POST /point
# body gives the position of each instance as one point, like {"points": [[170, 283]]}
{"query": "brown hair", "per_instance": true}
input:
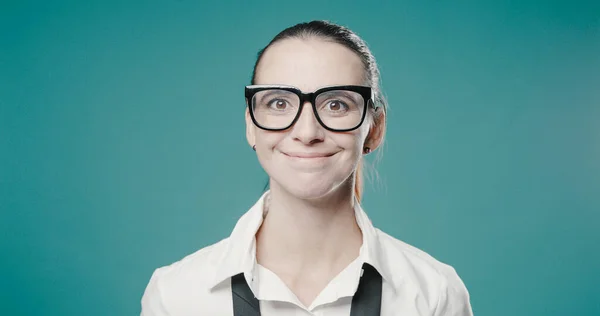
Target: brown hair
{"points": [[344, 36]]}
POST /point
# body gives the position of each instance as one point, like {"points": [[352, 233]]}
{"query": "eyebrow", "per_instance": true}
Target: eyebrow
{"points": [[272, 86], [278, 86], [347, 94], [272, 92]]}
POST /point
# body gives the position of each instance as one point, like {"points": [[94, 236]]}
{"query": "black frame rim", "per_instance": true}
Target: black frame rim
{"points": [[364, 91]]}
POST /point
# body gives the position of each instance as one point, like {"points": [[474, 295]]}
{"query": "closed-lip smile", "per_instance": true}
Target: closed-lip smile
{"points": [[308, 155]]}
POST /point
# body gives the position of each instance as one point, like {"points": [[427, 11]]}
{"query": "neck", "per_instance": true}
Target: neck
{"points": [[319, 233]]}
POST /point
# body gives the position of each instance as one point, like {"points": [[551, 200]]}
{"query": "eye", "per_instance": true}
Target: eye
{"points": [[278, 104], [336, 106]]}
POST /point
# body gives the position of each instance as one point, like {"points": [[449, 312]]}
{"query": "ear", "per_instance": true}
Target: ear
{"points": [[377, 130], [250, 131]]}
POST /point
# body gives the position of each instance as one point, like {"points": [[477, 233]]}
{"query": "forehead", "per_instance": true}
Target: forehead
{"points": [[310, 64]]}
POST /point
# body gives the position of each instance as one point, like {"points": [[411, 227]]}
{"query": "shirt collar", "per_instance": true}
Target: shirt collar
{"points": [[372, 251], [240, 252]]}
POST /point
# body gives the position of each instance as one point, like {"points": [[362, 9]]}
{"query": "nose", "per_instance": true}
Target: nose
{"points": [[307, 129]]}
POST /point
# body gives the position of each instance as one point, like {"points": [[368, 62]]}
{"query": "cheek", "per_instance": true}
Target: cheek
{"points": [[265, 143], [358, 139], [268, 140], [351, 146]]}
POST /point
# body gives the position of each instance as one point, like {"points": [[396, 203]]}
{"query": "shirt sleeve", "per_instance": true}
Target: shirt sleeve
{"points": [[454, 297], [152, 301]]}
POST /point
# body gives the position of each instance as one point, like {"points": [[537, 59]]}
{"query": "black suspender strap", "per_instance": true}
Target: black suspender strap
{"points": [[365, 302], [244, 302], [367, 299]]}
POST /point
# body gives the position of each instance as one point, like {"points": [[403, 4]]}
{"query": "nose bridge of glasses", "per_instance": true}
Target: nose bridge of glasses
{"points": [[306, 98], [307, 125], [307, 108]]}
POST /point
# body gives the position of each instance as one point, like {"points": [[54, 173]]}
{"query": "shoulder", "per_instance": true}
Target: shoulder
{"points": [[181, 285], [420, 262], [437, 281], [197, 265]]}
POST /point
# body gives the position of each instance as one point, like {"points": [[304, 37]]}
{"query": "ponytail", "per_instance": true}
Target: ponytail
{"points": [[358, 180]]}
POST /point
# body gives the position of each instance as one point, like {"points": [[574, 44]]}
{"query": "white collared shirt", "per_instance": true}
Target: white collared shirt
{"points": [[414, 283]]}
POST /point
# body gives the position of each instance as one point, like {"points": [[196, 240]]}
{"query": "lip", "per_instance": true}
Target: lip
{"points": [[308, 155]]}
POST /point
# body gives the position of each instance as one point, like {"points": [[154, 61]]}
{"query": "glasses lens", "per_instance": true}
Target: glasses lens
{"points": [[275, 108], [340, 109], [337, 109]]}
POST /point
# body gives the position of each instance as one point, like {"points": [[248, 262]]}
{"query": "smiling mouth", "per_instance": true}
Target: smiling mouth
{"points": [[308, 155]]}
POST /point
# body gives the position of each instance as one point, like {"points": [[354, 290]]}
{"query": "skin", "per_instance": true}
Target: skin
{"points": [[310, 233]]}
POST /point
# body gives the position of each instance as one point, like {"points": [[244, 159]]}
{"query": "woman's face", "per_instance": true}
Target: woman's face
{"points": [[310, 64]]}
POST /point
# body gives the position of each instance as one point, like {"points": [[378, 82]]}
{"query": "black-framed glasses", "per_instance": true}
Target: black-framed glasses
{"points": [[337, 108]]}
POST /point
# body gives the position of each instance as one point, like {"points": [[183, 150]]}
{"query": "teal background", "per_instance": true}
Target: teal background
{"points": [[122, 145]]}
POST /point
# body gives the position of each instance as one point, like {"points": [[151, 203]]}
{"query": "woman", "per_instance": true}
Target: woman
{"points": [[307, 247]]}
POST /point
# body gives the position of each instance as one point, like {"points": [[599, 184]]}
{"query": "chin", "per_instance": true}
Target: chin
{"points": [[308, 186], [309, 180], [307, 192]]}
